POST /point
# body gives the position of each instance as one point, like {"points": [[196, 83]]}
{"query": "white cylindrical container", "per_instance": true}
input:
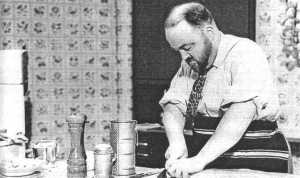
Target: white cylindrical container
{"points": [[103, 156], [12, 117], [12, 107], [11, 66], [12, 110]]}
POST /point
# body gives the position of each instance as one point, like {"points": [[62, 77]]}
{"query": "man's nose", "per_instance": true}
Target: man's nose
{"points": [[184, 55]]}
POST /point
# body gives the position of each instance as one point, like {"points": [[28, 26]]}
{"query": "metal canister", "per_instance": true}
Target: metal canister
{"points": [[103, 156], [123, 140]]}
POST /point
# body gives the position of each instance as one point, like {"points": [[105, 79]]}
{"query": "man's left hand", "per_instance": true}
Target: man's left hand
{"points": [[181, 168]]}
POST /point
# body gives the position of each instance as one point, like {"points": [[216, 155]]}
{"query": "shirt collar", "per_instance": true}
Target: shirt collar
{"points": [[226, 44]]}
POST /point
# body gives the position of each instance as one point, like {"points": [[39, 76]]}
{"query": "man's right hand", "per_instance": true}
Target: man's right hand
{"points": [[176, 152]]}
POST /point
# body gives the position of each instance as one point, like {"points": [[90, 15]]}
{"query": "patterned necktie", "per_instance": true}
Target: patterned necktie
{"points": [[195, 96]]}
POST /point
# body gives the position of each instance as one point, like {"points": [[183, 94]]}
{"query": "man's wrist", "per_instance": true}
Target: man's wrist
{"points": [[177, 143], [201, 159]]}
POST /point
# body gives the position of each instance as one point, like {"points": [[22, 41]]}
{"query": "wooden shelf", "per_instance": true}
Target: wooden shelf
{"points": [[292, 134], [294, 140]]}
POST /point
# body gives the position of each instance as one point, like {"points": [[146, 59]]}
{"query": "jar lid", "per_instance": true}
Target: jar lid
{"points": [[45, 144], [76, 118], [103, 148], [123, 121]]}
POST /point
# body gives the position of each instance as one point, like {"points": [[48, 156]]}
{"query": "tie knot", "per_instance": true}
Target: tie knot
{"points": [[202, 77]]}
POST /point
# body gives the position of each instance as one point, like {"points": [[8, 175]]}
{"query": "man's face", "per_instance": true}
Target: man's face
{"points": [[192, 43]]}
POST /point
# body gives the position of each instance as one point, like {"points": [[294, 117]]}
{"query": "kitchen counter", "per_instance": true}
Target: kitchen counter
{"points": [[238, 173], [59, 170], [245, 173]]}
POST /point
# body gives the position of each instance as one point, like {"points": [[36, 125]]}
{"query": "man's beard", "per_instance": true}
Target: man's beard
{"points": [[200, 64]]}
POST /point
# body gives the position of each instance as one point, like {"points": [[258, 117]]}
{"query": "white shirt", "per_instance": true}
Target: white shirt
{"points": [[240, 73]]}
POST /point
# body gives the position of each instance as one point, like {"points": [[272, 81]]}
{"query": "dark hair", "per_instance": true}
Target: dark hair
{"points": [[193, 12]]}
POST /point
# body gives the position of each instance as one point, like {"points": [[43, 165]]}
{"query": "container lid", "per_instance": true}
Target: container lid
{"points": [[76, 118], [45, 144], [103, 148], [123, 121]]}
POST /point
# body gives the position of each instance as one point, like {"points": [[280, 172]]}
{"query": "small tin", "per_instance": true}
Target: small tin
{"points": [[103, 156]]}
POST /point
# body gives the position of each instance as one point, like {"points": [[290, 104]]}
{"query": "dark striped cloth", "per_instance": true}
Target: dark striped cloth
{"points": [[262, 147]]}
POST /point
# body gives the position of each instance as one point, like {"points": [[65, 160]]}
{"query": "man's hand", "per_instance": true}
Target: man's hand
{"points": [[176, 152], [182, 168]]}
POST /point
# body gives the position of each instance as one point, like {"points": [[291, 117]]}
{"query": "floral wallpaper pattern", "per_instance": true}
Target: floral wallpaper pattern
{"points": [[278, 33], [79, 61]]}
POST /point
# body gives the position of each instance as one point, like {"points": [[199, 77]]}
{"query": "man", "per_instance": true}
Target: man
{"points": [[225, 86]]}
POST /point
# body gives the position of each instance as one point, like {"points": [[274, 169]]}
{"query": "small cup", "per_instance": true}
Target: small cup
{"points": [[46, 150]]}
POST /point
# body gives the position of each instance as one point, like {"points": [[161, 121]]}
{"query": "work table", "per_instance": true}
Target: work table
{"points": [[60, 170]]}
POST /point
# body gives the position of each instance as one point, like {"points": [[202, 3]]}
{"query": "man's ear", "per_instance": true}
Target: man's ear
{"points": [[209, 30]]}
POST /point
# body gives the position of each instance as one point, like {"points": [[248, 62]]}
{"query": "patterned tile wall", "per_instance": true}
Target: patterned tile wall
{"points": [[277, 31], [79, 61]]}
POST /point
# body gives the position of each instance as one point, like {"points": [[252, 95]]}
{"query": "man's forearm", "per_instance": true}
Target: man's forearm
{"points": [[174, 121], [229, 131]]}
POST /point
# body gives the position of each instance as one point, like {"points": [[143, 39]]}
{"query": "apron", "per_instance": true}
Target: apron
{"points": [[262, 147]]}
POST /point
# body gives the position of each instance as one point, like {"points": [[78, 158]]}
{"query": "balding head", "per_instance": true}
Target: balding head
{"points": [[194, 13]]}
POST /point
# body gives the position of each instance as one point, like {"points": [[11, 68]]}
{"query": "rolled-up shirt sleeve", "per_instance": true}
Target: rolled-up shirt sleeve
{"points": [[251, 80], [179, 90]]}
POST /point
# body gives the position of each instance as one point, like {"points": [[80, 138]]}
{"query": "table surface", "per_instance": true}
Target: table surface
{"points": [[58, 170]]}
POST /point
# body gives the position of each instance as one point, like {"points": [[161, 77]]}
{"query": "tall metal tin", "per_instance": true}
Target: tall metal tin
{"points": [[123, 140]]}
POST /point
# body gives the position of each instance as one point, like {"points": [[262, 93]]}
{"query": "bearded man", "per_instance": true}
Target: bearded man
{"points": [[224, 86]]}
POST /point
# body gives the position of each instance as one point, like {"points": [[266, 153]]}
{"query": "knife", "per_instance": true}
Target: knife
{"points": [[164, 174]]}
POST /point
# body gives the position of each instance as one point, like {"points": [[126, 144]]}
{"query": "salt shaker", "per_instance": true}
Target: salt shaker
{"points": [[103, 156]]}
